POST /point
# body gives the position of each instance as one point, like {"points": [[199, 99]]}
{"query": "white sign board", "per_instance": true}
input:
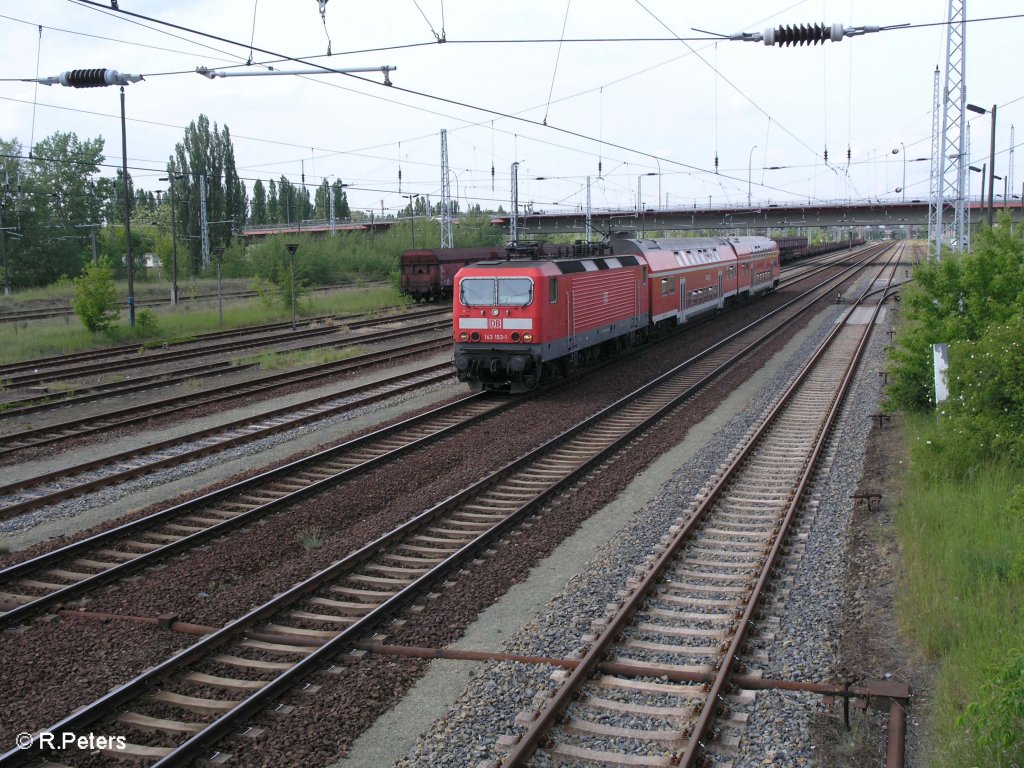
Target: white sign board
{"points": [[940, 359]]}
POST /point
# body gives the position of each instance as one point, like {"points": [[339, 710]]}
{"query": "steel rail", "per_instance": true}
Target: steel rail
{"points": [[161, 380], [557, 704], [13, 442], [729, 658], [40, 314], [194, 746], [199, 338], [161, 357], [273, 421], [73, 590], [431, 426], [216, 730]]}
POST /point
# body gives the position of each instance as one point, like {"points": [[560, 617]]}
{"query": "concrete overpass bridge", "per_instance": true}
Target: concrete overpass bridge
{"points": [[889, 215]]}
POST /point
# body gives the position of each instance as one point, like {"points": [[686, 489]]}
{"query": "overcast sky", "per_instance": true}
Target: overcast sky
{"points": [[610, 108]]}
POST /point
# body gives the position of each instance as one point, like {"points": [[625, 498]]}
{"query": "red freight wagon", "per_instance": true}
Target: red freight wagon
{"points": [[427, 274]]}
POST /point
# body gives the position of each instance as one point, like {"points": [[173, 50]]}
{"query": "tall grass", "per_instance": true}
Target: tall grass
{"points": [[271, 361], [962, 597]]}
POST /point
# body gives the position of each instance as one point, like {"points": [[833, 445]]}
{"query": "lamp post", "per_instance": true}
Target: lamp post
{"points": [[219, 253], [4, 195], [659, 181], [174, 237], [981, 170], [750, 160], [903, 188], [991, 156], [412, 217], [639, 199], [639, 187], [98, 78], [292, 248]]}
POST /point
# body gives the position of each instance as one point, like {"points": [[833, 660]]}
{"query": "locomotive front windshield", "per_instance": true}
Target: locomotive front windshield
{"points": [[496, 292]]}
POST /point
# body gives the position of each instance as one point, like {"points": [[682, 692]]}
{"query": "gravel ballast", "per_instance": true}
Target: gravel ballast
{"points": [[803, 645]]}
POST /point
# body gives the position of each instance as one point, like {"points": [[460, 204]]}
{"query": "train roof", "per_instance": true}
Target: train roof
{"points": [[691, 244], [451, 254], [564, 266]]}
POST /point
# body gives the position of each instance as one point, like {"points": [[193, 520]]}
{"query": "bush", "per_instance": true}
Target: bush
{"points": [[95, 298], [953, 301], [995, 719], [146, 323]]}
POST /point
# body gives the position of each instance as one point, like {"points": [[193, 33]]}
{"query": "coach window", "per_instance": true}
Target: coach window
{"points": [[477, 291], [553, 290], [515, 291]]}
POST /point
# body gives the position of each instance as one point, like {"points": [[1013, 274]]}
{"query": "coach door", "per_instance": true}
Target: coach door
{"points": [[682, 300], [721, 286]]}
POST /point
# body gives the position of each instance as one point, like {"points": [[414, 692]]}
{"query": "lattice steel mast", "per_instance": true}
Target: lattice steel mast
{"points": [[1009, 173], [952, 168], [446, 194], [513, 229], [934, 198]]}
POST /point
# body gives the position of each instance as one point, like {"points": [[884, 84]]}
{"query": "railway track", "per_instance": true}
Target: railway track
{"points": [[163, 379], [49, 401], [639, 694], [224, 678], [137, 349], [67, 573], [127, 416], [20, 497], [124, 416], [136, 357], [15, 316]]}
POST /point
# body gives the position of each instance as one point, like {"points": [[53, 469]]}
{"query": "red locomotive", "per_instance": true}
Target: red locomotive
{"points": [[516, 322]]}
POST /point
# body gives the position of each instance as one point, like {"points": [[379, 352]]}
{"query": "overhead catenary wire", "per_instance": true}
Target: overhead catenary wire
{"points": [[558, 56], [323, 18], [718, 74], [442, 9], [626, 147], [252, 36], [410, 91], [35, 94], [439, 38], [106, 39]]}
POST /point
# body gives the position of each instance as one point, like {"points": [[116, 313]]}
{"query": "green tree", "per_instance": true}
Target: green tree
{"points": [[95, 299], [206, 155], [273, 205], [322, 201], [341, 209], [259, 211], [956, 300], [46, 198]]}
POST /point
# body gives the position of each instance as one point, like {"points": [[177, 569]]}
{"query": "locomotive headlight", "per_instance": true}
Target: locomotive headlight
{"points": [[464, 336], [527, 337], [495, 311]]}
